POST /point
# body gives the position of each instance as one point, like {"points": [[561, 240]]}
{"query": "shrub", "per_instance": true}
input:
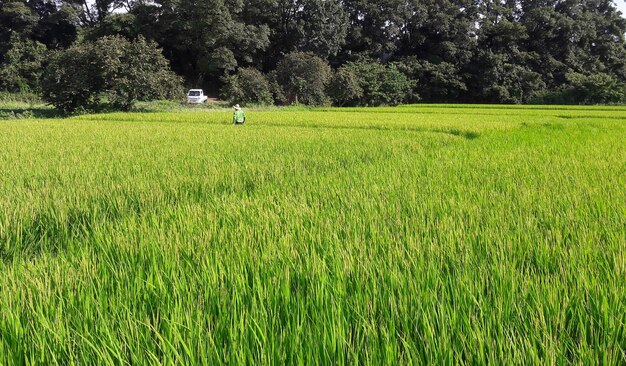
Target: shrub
{"points": [[381, 84], [585, 89], [248, 85], [344, 88], [595, 89], [19, 114], [113, 68], [22, 97], [303, 78]]}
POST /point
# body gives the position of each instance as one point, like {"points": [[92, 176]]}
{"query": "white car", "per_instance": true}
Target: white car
{"points": [[196, 96]]}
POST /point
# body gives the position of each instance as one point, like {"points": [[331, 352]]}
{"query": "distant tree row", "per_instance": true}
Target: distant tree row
{"points": [[342, 52]]}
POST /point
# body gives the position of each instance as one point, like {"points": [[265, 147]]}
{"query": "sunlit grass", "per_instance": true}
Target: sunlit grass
{"points": [[417, 234]]}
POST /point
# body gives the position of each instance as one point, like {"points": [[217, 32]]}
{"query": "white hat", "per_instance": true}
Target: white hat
{"points": [[237, 106]]}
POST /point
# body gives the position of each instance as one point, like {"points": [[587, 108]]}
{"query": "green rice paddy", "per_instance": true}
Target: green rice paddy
{"points": [[409, 235]]}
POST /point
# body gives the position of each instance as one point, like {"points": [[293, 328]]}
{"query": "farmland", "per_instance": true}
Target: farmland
{"points": [[410, 235]]}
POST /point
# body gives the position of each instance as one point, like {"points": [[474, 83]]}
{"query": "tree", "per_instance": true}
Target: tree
{"points": [[125, 25], [113, 68], [504, 81], [316, 26], [22, 66], [15, 17], [58, 23], [303, 78], [503, 70], [344, 88], [574, 36], [433, 82], [323, 27], [206, 38], [377, 26], [73, 78], [248, 85], [439, 31], [381, 84], [497, 51], [50, 23], [94, 12], [134, 71]]}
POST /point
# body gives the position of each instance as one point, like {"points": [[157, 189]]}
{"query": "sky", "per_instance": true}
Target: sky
{"points": [[621, 5]]}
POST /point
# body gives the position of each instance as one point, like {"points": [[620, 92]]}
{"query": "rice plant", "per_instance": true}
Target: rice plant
{"points": [[410, 235]]}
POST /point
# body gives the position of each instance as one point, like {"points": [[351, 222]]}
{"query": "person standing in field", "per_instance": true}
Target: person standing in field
{"points": [[239, 117]]}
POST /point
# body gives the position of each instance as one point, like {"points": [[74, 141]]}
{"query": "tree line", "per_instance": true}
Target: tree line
{"points": [[319, 52]]}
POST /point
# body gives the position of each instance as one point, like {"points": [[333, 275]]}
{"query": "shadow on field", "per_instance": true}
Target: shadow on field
{"points": [[45, 232], [620, 118], [468, 135], [24, 113]]}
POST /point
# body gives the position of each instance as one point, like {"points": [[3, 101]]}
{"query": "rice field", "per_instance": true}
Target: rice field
{"points": [[412, 235]]}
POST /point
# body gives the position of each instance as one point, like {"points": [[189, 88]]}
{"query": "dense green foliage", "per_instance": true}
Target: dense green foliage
{"points": [[112, 68], [73, 79], [303, 78], [23, 66], [381, 84], [344, 87], [593, 89], [134, 71], [409, 235], [514, 51], [432, 82], [248, 86]]}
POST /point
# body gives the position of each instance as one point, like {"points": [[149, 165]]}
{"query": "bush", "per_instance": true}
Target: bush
{"points": [[248, 85], [303, 78], [20, 114], [344, 88], [381, 84], [595, 89], [112, 69], [20, 98], [585, 89]]}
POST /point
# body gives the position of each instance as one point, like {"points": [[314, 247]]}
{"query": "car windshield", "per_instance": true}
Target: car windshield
{"points": [[194, 93]]}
